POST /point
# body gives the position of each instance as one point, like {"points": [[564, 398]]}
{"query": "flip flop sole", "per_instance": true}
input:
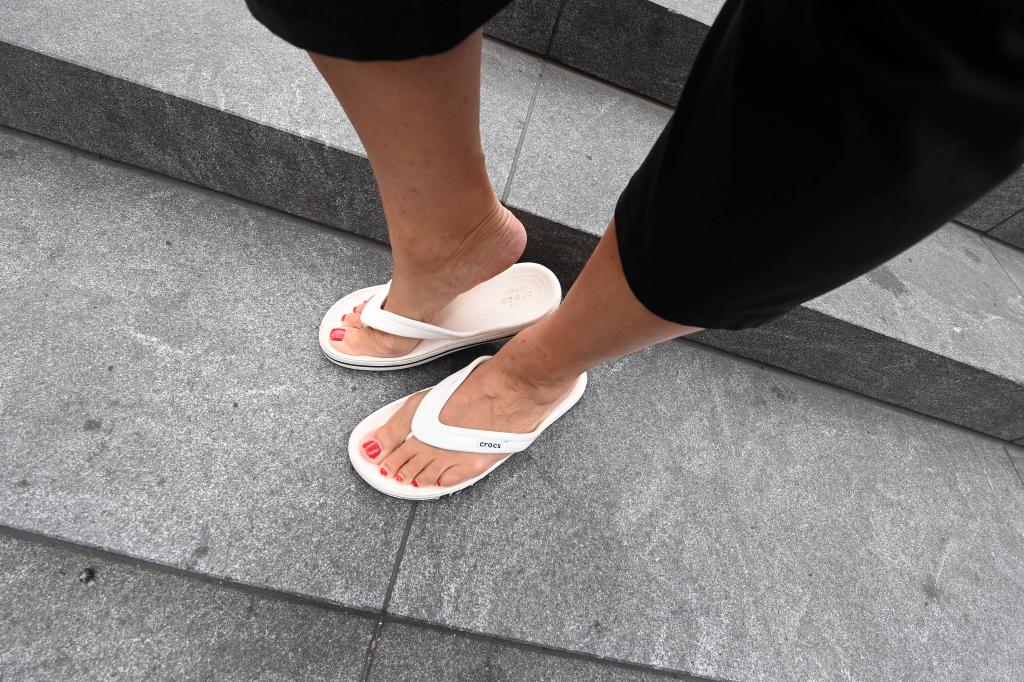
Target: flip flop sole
{"points": [[502, 306]]}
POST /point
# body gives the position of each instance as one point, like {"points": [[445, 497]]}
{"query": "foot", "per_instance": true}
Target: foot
{"points": [[491, 398], [428, 277]]}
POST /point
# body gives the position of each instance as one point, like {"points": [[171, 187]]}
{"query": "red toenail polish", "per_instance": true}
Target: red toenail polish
{"points": [[371, 448], [337, 334], [398, 477], [343, 317], [437, 482], [355, 309], [383, 471], [415, 483]]}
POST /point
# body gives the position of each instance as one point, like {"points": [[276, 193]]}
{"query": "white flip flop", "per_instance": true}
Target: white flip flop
{"points": [[495, 309], [427, 428]]}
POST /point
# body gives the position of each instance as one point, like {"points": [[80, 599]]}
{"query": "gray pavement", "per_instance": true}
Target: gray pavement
{"points": [[162, 397]]}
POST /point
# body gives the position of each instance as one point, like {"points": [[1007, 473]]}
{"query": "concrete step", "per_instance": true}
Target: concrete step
{"points": [[201, 92], [161, 397], [645, 46], [74, 614], [649, 46]]}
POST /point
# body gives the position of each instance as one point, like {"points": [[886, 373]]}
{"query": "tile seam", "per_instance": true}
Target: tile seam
{"points": [[45, 539], [985, 239], [554, 27], [1013, 464], [507, 189], [1000, 223], [378, 627]]}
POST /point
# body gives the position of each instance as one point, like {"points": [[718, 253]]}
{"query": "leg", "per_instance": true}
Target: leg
{"points": [[516, 389], [419, 121], [812, 143]]}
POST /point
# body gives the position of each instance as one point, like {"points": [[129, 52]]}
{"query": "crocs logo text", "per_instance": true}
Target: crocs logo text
{"points": [[485, 444], [517, 294]]}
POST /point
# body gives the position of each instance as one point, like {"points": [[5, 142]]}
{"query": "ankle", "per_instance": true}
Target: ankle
{"points": [[538, 387], [430, 273]]}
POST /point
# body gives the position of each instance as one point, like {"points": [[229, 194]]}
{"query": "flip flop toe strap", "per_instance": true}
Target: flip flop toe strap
{"points": [[427, 426], [374, 316]]}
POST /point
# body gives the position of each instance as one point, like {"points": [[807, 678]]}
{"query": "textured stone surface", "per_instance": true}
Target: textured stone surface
{"points": [[215, 54], [637, 44], [997, 205], [70, 616], [584, 142], [825, 348], [710, 516], [1011, 260], [526, 23], [189, 141], [956, 318], [161, 390], [1011, 230], [412, 654], [946, 295], [703, 11]]}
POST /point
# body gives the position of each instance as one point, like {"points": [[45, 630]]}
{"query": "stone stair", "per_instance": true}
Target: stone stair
{"points": [[167, 421], [202, 93]]}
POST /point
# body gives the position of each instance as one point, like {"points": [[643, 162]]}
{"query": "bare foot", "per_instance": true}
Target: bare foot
{"points": [[429, 277], [493, 397]]}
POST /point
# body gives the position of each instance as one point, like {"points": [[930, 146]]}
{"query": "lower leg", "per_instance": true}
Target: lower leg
{"points": [[513, 392], [419, 121]]}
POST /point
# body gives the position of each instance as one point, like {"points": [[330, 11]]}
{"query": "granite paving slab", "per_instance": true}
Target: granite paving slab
{"points": [[1010, 230], [959, 320], [162, 394], [1011, 260], [998, 205], [529, 24], [584, 141], [643, 46], [69, 615], [411, 654], [723, 519], [217, 55]]}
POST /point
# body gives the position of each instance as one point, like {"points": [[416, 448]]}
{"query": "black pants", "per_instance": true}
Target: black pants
{"points": [[813, 140]]}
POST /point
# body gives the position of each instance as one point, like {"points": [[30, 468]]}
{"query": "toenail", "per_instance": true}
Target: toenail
{"points": [[371, 448], [398, 477], [437, 482], [337, 334], [355, 309], [415, 483], [343, 317], [383, 471]]}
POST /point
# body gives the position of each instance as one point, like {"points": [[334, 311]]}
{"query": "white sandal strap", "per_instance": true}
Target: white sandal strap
{"points": [[375, 317], [427, 426]]}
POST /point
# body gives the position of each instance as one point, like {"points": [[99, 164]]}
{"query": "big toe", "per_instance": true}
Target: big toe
{"points": [[380, 443]]}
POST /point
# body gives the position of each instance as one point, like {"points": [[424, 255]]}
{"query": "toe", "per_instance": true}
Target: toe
{"points": [[457, 474], [382, 442], [351, 319], [391, 465], [410, 471], [463, 471], [432, 472]]}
